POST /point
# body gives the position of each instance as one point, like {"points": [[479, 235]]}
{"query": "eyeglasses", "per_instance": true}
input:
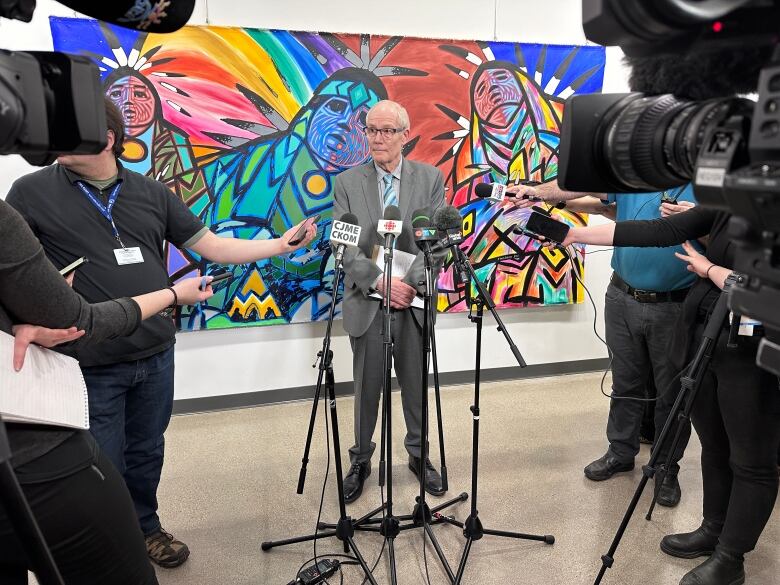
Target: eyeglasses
{"points": [[385, 132]]}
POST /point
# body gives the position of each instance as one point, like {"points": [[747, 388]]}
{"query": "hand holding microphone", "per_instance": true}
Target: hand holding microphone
{"points": [[517, 195]]}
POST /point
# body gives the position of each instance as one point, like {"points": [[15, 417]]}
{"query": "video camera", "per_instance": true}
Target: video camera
{"points": [[52, 103], [728, 146]]}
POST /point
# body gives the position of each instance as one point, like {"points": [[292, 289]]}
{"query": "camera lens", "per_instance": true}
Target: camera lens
{"points": [[652, 142]]}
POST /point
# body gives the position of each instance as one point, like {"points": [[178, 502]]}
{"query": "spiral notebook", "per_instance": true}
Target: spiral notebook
{"points": [[49, 389]]}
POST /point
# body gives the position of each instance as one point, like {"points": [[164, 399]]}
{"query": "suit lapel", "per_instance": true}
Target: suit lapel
{"points": [[371, 192], [407, 188]]}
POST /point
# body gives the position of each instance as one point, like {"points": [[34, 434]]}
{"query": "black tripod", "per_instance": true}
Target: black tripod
{"points": [[472, 528], [690, 384], [22, 519], [344, 530]]}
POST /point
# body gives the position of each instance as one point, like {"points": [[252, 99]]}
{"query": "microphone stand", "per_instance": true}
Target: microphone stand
{"points": [[344, 530], [390, 526], [690, 382], [472, 527], [422, 515], [22, 520]]}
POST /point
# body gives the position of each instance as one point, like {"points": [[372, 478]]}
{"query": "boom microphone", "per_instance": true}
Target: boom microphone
{"points": [[345, 232], [154, 16], [390, 225]]}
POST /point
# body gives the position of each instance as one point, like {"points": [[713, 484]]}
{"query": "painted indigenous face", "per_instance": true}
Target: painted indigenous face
{"points": [[135, 101], [336, 132], [497, 96]]}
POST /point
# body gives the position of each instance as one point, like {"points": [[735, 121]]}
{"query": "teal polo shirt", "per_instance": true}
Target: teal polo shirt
{"points": [[655, 269]]}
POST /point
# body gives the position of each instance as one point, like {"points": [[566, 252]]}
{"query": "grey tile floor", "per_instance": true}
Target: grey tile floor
{"points": [[230, 479]]}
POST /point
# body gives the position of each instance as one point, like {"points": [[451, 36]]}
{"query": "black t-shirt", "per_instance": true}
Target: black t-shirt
{"points": [[67, 223]]}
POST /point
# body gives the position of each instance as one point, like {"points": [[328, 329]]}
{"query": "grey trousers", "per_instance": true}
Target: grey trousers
{"points": [[639, 336], [367, 353]]}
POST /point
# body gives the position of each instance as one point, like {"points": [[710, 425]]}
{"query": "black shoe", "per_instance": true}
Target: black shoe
{"points": [[720, 569], [353, 482], [689, 545], [605, 467], [669, 493], [433, 483]]}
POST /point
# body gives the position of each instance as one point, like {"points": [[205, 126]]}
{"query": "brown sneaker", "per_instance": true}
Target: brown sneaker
{"points": [[165, 550]]}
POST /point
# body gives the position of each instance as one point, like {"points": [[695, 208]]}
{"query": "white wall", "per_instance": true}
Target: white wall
{"points": [[236, 361]]}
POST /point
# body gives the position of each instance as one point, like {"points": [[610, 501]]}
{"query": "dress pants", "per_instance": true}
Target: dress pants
{"points": [[367, 352]]}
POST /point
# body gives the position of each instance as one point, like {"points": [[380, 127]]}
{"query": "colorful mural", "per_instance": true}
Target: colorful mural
{"points": [[250, 126]]}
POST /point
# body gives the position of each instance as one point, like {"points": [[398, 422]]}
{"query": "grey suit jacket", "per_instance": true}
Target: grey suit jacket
{"points": [[356, 191]]}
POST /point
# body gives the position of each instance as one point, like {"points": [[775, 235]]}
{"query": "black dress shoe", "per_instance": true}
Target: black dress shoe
{"points": [[669, 493], [433, 483], [721, 568], [353, 482], [605, 467], [689, 545]]}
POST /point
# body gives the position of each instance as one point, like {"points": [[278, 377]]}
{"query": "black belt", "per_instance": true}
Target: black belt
{"points": [[649, 296]]}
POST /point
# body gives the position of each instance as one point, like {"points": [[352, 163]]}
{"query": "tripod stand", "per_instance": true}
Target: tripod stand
{"points": [[690, 384], [472, 527], [344, 530], [22, 519]]}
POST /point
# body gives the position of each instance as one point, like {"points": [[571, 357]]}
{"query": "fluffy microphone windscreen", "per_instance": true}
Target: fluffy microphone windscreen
{"points": [[154, 16], [447, 218]]}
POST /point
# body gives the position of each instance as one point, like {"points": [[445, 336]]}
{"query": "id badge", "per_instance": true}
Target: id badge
{"points": [[746, 325], [128, 256]]}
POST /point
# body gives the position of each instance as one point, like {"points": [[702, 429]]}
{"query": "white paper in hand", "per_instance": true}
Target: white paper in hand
{"points": [[50, 389], [402, 262]]}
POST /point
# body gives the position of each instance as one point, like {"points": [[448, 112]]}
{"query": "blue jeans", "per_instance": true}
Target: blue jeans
{"points": [[130, 406]]}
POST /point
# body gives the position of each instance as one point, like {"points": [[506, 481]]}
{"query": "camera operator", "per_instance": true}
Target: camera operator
{"points": [[642, 305], [78, 498], [737, 410], [70, 208]]}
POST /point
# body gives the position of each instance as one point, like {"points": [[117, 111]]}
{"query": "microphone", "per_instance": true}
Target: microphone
{"points": [[345, 232], [491, 191], [154, 16], [448, 221], [497, 192], [424, 232], [390, 225]]}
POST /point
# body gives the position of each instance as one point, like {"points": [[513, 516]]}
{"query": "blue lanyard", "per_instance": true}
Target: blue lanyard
{"points": [[105, 210]]}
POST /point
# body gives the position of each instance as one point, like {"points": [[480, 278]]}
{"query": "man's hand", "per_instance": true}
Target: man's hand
{"points": [[520, 196], [69, 278], [401, 294], [668, 209], [24, 335]]}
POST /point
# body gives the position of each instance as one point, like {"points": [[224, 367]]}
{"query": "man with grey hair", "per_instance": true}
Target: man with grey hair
{"points": [[365, 191]]}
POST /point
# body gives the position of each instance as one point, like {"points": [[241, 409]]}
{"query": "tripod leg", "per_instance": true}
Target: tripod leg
{"points": [[361, 560], [462, 565], [437, 393]]}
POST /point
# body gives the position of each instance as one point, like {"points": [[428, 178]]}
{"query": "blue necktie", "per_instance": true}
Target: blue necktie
{"points": [[389, 197]]}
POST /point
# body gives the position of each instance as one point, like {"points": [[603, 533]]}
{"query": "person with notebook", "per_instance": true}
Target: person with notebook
{"points": [[91, 205], [77, 496]]}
